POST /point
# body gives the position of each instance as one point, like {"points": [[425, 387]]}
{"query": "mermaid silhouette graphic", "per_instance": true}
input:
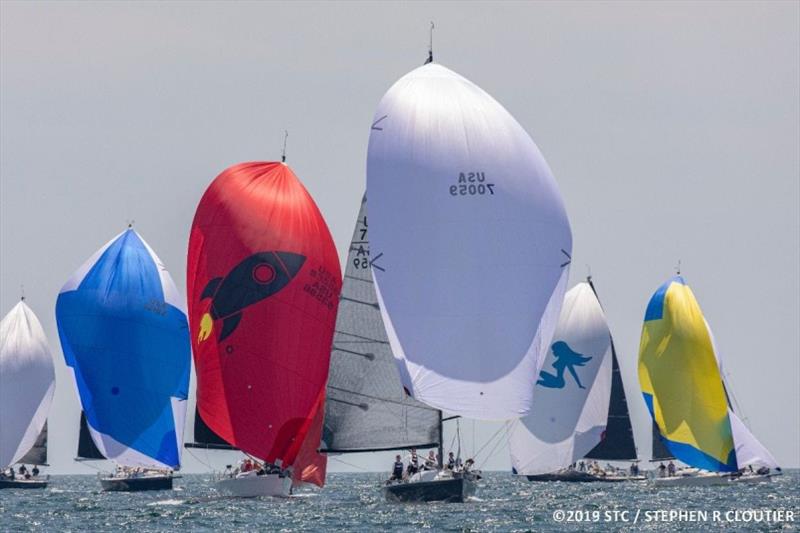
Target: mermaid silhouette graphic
{"points": [[566, 359]]}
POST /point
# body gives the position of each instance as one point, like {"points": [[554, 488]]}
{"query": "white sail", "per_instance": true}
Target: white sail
{"points": [[749, 451], [470, 244], [27, 383], [572, 394]]}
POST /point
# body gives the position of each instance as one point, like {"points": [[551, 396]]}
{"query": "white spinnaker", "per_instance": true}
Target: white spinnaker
{"points": [[567, 421], [27, 382], [749, 450], [470, 245]]}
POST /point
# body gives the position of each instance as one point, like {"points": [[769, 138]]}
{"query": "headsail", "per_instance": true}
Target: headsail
{"points": [[367, 409], [681, 382], [124, 335], [749, 451], [27, 383], [572, 393], [263, 282], [470, 245]]}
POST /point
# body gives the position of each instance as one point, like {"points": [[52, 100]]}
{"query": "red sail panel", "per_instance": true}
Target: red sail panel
{"points": [[263, 284], [310, 465]]}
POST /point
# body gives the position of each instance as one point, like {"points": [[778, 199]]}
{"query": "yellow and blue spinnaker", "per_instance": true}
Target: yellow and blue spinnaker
{"points": [[681, 381]]}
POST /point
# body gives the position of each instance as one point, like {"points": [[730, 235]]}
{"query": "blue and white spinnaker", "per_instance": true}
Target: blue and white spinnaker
{"points": [[125, 336]]}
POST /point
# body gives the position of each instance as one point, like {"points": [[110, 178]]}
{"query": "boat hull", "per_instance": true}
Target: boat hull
{"points": [[23, 483], [135, 484], [454, 490], [709, 479], [575, 476], [255, 486]]}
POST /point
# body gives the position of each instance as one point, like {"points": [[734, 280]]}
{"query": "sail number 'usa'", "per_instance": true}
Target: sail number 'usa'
{"points": [[472, 184]]}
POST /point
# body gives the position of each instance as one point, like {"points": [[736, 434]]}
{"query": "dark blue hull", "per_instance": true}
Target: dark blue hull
{"points": [[133, 484], [455, 490]]}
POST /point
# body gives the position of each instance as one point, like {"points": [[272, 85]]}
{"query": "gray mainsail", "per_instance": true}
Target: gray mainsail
{"points": [[38, 454], [367, 408]]}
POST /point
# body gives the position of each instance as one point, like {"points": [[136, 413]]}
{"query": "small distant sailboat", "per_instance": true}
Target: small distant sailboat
{"points": [[263, 282], [27, 384], [685, 392], [125, 338], [367, 409], [580, 410], [468, 305]]}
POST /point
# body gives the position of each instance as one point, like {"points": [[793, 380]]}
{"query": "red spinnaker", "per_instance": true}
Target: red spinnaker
{"points": [[263, 284]]}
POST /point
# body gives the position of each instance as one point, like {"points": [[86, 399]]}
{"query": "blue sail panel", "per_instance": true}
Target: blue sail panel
{"points": [[125, 336]]}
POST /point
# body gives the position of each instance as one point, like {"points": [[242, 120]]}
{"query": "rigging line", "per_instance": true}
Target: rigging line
{"points": [[385, 400], [348, 464], [200, 460], [487, 442], [283, 153], [498, 443], [90, 465]]}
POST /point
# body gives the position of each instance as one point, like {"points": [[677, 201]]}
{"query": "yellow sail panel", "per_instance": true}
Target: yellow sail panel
{"points": [[681, 382]]}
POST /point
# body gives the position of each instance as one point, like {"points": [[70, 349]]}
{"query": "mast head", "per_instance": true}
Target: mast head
{"points": [[430, 46]]}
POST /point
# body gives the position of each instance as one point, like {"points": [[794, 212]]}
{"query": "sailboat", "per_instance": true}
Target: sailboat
{"points": [[367, 409], [263, 282], [471, 246], [125, 340], [580, 411], [685, 392], [27, 384]]}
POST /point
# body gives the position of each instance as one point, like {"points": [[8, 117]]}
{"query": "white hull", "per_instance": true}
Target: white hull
{"points": [[251, 485], [709, 479], [693, 480]]}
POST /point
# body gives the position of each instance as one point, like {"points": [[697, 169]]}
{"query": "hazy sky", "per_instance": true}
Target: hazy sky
{"points": [[671, 128]]}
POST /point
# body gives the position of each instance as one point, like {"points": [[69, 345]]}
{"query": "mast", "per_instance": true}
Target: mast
{"points": [[441, 442]]}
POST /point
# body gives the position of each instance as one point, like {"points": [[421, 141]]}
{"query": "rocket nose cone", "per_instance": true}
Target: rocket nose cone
{"points": [[293, 262]]}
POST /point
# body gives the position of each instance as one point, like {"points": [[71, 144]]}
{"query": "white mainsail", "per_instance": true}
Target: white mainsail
{"points": [[572, 395], [27, 383], [470, 245]]}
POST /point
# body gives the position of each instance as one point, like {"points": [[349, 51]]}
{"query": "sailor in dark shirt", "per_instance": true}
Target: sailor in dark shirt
{"points": [[397, 471], [413, 463], [451, 461]]}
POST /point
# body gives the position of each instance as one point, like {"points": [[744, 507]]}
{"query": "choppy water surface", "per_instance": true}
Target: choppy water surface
{"points": [[353, 502]]}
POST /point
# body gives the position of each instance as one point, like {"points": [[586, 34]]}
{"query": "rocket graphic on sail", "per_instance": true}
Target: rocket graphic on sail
{"points": [[257, 277]]}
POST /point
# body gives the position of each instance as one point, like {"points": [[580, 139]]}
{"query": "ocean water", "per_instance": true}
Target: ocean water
{"points": [[353, 502]]}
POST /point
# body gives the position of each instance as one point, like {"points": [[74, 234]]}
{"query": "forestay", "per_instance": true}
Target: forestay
{"points": [[681, 382], [27, 383], [571, 397], [124, 335], [367, 408], [749, 451], [470, 245]]}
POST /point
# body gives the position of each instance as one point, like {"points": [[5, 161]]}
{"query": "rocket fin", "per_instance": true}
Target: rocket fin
{"points": [[211, 288], [229, 325]]}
